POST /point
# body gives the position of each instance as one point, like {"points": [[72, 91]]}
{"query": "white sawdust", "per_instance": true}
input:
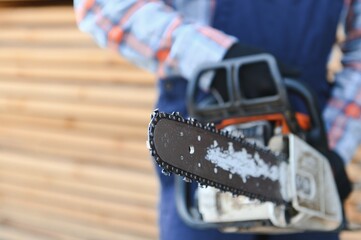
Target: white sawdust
{"points": [[241, 162]]}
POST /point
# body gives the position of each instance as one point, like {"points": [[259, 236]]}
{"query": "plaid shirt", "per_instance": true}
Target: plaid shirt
{"points": [[179, 39]]}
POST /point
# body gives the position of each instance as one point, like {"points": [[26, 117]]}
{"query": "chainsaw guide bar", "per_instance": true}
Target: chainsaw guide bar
{"points": [[214, 158]]}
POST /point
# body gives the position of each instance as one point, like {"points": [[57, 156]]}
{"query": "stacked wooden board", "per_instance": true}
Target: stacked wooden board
{"points": [[73, 162], [73, 158], [353, 203]]}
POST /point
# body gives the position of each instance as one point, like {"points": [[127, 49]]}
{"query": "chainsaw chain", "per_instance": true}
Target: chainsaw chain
{"points": [[168, 169]]}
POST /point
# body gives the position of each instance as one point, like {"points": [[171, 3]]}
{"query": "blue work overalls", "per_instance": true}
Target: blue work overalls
{"points": [[299, 33]]}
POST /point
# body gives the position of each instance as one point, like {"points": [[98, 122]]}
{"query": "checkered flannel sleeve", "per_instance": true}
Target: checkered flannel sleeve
{"points": [[152, 35], [343, 113]]}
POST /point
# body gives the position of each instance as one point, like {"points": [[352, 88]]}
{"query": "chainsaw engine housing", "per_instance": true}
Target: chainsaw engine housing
{"points": [[314, 202]]}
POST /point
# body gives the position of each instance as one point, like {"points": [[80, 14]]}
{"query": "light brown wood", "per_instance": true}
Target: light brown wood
{"points": [[354, 170], [73, 126], [43, 35], [127, 115], [122, 215], [80, 157], [77, 188], [73, 158], [60, 15], [110, 94], [12, 230], [108, 177], [63, 55], [7, 232], [94, 145], [352, 235], [46, 219], [82, 74]]}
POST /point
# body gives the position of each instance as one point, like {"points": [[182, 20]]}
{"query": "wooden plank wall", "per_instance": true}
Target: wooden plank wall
{"points": [[73, 162], [73, 159]]}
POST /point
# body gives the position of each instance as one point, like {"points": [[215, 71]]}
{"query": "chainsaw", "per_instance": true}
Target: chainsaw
{"points": [[259, 165]]}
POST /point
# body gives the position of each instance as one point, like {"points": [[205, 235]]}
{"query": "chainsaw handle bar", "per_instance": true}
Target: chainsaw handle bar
{"points": [[238, 104]]}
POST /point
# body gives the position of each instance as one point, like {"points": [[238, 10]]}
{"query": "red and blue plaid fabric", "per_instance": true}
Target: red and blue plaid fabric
{"points": [[179, 39], [170, 44], [343, 112]]}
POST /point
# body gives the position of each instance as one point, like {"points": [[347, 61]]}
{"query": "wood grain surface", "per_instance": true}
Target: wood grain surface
{"points": [[73, 158]]}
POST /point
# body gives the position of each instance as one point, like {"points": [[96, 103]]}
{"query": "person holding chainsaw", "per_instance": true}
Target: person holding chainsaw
{"points": [[172, 38]]}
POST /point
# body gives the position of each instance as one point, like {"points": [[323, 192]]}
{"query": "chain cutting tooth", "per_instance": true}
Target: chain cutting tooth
{"points": [[186, 179], [210, 126], [166, 173], [154, 114], [153, 152], [177, 114]]}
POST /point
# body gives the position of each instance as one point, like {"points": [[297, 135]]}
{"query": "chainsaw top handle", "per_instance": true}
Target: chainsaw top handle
{"points": [[237, 103], [242, 109]]}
